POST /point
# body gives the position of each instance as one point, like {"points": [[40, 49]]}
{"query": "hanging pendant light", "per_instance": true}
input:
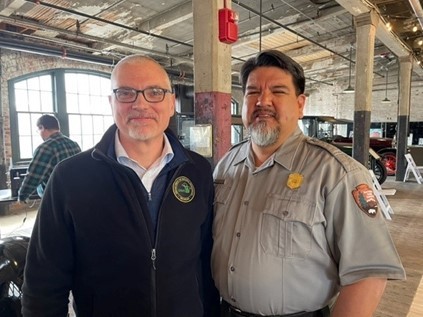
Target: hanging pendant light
{"points": [[386, 100], [349, 89]]}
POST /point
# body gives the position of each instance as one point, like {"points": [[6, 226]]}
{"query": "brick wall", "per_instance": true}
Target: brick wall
{"points": [[15, 64]]}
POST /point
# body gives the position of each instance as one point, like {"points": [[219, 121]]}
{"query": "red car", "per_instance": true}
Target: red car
{"points": [[323, 127], [382, 146]]}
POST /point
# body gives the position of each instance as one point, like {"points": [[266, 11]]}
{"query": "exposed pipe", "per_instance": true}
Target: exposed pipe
{"points": [[55, 52], [53, 6], [32, 48], [37, 25], [261, 23], [297, 33], [239, 3]]}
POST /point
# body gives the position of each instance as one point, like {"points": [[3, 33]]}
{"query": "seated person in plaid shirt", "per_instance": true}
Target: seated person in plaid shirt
{"points": [[55, 148]]}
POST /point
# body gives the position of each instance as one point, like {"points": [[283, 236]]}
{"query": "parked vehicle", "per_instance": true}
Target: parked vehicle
{"points": [[330, 130], [382, 146]]}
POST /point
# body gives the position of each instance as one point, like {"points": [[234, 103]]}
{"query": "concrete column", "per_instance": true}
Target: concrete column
{"points": [[212, 75], [404, 95], [366, 24]]}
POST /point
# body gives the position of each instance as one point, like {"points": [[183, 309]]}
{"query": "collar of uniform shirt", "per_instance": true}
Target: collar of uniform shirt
{"points": [[147, 176], [285, 155]]}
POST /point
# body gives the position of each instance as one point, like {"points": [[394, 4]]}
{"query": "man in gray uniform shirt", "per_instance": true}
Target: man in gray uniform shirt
{"points": [[297, 227]]}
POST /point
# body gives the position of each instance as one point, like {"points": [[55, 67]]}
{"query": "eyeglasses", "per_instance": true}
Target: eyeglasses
{"points": [[153, 95]]}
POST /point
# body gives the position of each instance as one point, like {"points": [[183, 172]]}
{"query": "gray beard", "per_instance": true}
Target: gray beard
{"points": [[134, 132], [262, 135]]}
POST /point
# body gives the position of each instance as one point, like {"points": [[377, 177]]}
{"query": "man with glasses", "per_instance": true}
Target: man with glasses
{"points": [[55, 148], [126, 226]]}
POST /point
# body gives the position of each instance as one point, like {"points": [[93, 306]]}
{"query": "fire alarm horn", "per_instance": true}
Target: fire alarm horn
{"points": [[228, 25]]}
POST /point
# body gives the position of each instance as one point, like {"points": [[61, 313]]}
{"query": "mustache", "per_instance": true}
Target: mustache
{"points": [[263, 112], [141, 115]]}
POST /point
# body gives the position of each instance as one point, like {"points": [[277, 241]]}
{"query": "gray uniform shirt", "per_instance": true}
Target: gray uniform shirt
{"points": [[288, 234]]}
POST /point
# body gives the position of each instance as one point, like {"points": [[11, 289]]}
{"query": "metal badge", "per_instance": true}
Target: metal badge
{"points": [[295, 180], [183, 189]]}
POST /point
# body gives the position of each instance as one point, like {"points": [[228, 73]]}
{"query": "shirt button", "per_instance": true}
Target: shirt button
{"points": [[285, 213], [233, 299], [238, 234], [246, 203], [232, 268]]}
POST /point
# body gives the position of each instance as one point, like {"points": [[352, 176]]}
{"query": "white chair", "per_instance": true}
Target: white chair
{"points": [[381, 198], [413, 168]]}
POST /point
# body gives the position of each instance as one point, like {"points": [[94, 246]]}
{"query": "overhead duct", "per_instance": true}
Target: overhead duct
{"points": [[53, 51]]}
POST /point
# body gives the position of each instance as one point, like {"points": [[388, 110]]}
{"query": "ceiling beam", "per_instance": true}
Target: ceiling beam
{"points": [[388, 38], [418, 10], [8, 7], [134, 48], [253, 35], [161, 21], [168, 18]]}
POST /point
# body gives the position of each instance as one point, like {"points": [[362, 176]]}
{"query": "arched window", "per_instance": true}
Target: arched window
{"points": [[78, 99], [88, 109], [32, 98]]}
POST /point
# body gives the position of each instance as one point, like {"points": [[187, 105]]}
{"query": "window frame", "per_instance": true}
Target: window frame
{"points": [[59, 104]]}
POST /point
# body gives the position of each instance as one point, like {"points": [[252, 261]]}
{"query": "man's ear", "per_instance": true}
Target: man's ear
{"points": [[301, 99]]}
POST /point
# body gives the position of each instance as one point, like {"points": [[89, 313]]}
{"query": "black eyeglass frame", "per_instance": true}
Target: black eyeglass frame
{"points": [[141, 91]]}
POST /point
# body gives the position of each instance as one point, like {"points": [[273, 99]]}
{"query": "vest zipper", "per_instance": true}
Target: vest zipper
{"points": [[153, 258]]}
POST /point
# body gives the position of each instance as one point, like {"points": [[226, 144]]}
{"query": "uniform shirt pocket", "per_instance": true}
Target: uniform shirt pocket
{"points": [[287, 227], [222, 190], [221, 204]]}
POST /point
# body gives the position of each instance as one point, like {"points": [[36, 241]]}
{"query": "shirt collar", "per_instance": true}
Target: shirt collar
{"points": [[54, 135], [122, 156], [285, 155]]}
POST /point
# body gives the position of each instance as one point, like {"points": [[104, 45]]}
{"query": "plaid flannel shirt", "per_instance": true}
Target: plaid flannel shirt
{"points": [[55, 149]]}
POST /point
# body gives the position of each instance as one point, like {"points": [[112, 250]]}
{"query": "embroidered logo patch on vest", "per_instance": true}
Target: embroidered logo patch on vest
{"points": [[365, 199], [295, 180], [183, 189]]}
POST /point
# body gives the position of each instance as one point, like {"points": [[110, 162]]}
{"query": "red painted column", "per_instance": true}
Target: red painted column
{"points": [[212, 75], [215, 108]]}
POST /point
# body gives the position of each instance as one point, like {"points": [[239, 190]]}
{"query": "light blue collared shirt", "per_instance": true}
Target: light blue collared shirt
{"points": [[146, 175]]}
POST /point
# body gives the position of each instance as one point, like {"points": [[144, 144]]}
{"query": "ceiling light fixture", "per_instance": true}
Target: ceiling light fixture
{"points": [[386, 100], [349, 89]]}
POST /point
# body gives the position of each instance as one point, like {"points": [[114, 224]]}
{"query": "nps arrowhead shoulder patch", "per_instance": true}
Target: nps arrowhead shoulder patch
{"points": [[365, 199]]}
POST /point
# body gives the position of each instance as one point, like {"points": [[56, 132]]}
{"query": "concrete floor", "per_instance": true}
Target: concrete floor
{"points": [[405, 298], [401, 298], [18, 222]]}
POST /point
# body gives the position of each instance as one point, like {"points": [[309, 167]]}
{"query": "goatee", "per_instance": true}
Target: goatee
{"points": [[263, 135]]}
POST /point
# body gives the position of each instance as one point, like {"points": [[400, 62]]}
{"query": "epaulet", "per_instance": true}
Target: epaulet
{"points": [[238, 144], [344, 159]]}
